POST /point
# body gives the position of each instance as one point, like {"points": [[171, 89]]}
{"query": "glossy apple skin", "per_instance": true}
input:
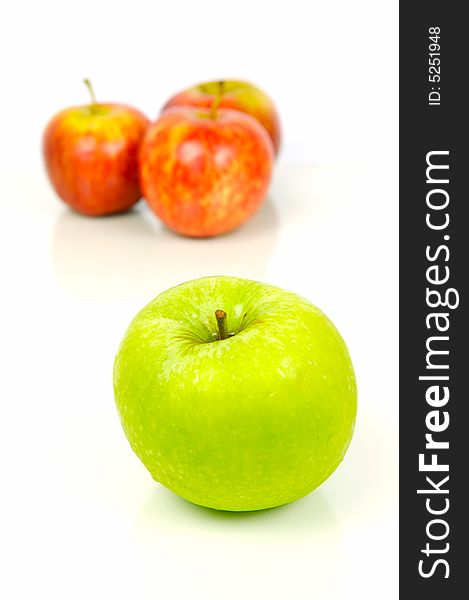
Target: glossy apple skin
{"points": [[205, 176], [250, 422], [91, 157], [237, 95]]}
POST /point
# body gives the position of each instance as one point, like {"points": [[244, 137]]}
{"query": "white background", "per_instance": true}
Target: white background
{"points": [[80, 517]]}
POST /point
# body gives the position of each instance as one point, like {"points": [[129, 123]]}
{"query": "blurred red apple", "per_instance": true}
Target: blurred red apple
{"points": [[91, 156], [205, 171], [238, 95]]}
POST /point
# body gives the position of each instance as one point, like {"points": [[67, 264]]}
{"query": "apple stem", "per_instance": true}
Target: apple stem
{"points": [[87, 82], [216, 100], [222, 324]]}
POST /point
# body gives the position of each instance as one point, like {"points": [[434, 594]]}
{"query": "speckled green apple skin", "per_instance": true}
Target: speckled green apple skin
{"points": [[250, 422]]}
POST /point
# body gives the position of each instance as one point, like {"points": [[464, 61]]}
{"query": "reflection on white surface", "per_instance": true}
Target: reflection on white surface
{"points": [[279, 546], [134, 253], [309, 517]]}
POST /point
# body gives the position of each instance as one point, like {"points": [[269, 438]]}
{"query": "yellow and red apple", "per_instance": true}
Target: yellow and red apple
{"points": [[91, 156], [205, 171], [238, 95]]}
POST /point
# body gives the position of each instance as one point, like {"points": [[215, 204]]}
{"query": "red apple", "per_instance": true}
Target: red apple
{"points": [[205, 171], [238, 95], [91, 156]]}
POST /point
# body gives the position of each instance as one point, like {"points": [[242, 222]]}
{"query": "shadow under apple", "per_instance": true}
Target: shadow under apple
{"points": [[306, 517], [272, 548], [134, 254]]}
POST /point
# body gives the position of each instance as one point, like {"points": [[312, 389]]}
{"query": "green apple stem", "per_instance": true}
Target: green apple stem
{"points": [[87, 82], [222, 324], [216, 100]]}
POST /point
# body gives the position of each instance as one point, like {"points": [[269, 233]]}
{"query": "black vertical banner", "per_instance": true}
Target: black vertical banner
{"points": [[434, 258]]}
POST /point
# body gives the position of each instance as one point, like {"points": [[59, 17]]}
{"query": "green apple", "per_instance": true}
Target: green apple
{"points": [[235, 394]]}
